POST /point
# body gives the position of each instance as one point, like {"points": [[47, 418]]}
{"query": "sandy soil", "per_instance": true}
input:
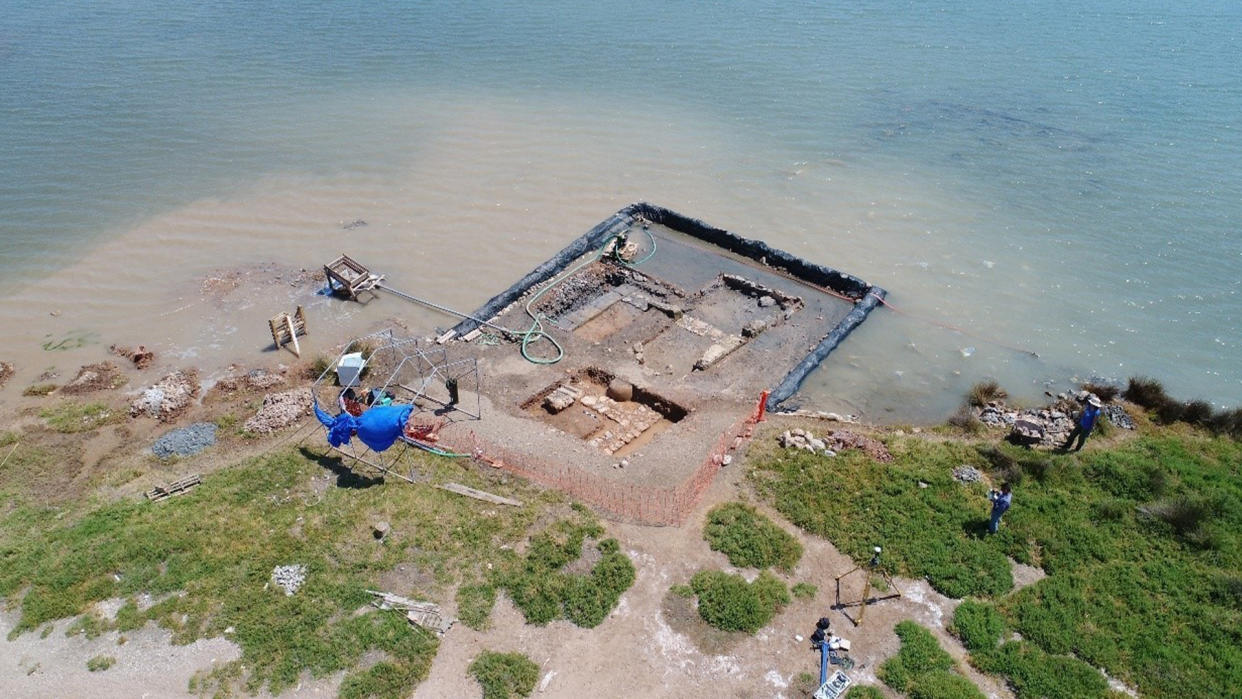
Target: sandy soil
{"points": [[640, 651]]}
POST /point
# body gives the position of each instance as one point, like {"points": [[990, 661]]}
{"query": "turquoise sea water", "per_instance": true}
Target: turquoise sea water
{"points": [[1062, 176]]}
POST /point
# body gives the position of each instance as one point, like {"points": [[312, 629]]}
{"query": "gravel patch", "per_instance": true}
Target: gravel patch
{"points": [[185, 441]]}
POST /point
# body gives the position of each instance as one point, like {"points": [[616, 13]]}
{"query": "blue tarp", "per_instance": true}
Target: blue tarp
{"points": [[378, 428]]}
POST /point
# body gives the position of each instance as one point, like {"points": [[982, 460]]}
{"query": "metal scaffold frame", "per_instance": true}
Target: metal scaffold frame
{"points": [[424, 376]]}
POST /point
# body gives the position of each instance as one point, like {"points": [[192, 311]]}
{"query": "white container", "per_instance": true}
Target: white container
{"points": [[349, 368]]}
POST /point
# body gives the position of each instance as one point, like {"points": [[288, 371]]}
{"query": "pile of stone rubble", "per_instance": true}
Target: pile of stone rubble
{"points": [[280, 410], [1050, 425], [833, 442], [289, 578]]}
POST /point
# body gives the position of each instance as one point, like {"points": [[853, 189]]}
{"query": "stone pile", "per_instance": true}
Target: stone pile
{"points": [[289, 578], [833, 442], [168, 398], [280, 410], [1118, 416], [967, 474], [1050, 425], [799, 438]]}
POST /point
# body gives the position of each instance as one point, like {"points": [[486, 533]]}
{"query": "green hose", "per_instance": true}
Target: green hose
{"points": [[536, 332]]}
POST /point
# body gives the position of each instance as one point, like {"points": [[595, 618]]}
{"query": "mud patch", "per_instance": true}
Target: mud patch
{"points": [[103, 376]]}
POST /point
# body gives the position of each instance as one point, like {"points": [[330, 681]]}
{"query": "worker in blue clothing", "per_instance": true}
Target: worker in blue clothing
{"points": [[1001, 500], [1084, 424]]}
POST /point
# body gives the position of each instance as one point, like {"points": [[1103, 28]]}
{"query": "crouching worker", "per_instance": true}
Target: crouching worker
{"points": [[1084, 424]]}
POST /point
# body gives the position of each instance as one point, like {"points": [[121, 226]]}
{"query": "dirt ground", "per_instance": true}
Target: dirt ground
{"points": [[652, 644], [643, 650]]}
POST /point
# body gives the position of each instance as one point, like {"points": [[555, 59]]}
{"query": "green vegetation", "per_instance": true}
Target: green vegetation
{"points": [[544, 590], [79, 417], [207, 556], [978, 625], [474, 605], [504, 675], [728, 602], [1149, 394], [985, 392], [922, 669], [864, 691], [1032, 673], [39, 389], [1140, 541], [750, 539], [804, 590], [99, 663], [858, 504]]}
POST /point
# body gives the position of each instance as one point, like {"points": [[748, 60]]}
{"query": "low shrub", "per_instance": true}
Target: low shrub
{"points": [[1105, 392], [1185, 514], [918, 664], [944, 685], [1170, 412], [864, 691], [99, 663], [39, 389], [966, 421], [1032, 673], [1147, 392], [986, 392], [1197, 412], [750, 539], [1227, 422], [728, 602], [978, 625], [505, 675]]}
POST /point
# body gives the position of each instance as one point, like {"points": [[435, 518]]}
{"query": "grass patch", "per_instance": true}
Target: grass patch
{"points": [[1140, 541], [79, 417], [804, 590], [922, 668], [863, 691], [750, 539], [210, 554], [99, 663], [505, 675], [474, 605], [729, 603], [931, 532], [541, 587], [978, 625]]}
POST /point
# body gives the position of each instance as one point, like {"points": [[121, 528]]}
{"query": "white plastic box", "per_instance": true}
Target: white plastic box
{"points": [[349, 368]]}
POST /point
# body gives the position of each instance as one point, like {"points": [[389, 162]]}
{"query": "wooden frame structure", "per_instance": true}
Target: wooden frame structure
{"points": [[286, 328], [345, 274]]}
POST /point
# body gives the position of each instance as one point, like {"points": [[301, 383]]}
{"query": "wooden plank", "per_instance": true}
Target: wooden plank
{"points": [[478, 494]]}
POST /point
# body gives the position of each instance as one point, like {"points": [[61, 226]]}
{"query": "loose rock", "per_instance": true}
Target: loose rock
{"points": [[289, 578], [280, 410], [168, 398]]}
